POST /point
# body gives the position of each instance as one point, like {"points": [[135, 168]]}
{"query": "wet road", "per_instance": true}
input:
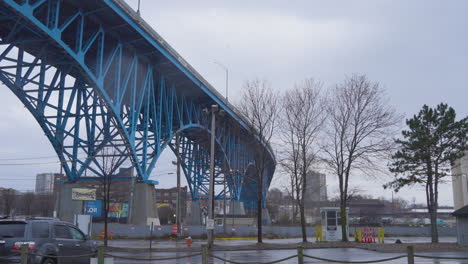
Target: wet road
{"points": [[258, 256], [196, 243], [239, 242]]}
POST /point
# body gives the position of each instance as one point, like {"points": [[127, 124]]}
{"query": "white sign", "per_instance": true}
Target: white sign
{"points": [[83, 194], [210, 224], [154, 221]]}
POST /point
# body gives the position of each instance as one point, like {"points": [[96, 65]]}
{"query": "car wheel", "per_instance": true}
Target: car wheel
{"points": [[48, 261]]}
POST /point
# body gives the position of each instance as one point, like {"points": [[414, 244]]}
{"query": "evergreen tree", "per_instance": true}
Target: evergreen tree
{"points": [[427, 151]]}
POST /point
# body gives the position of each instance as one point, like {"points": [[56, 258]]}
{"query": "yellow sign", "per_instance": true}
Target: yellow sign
{"points": [[82, 194]]}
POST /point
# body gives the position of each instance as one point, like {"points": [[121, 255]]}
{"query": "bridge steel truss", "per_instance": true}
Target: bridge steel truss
{"points": [[106, 89]]}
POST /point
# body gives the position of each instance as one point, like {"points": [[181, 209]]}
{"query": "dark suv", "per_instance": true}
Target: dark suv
{"points": [[44, 236]]}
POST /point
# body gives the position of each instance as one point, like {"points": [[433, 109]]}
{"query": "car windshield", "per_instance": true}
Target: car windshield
{"points": [[8, 230]]}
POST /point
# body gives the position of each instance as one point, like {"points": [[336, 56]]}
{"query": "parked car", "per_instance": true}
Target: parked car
{"points": [[44, 236]]}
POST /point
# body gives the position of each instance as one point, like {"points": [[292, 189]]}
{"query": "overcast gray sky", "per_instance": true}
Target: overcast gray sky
{"points": [[418, 51]]}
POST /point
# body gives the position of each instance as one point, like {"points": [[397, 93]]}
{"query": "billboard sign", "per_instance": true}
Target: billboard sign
{"points": [[118, 210], [83, 194], [94, 208]]}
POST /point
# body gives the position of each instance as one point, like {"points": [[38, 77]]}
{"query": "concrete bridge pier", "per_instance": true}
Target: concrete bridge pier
{"points": [[236, 208], [266, 219], [67, 208], [194, 214], [143, 204]]}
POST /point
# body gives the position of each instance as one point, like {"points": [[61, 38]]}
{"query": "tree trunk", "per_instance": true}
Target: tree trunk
{"points": [[105, 228], [432, 205], [344, 229], [106, 210], [434, 231], [259, 208], [303, 222]]}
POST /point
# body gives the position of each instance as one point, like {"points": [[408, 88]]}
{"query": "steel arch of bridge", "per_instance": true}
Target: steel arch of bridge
{"points": [[95, 77]]}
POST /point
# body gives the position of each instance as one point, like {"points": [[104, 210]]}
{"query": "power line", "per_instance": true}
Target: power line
{"points": [[50, 162], [17, 179], [30, 164], [33, 158]]}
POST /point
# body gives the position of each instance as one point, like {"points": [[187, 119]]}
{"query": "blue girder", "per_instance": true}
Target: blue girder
{"points": [[95, 77]]}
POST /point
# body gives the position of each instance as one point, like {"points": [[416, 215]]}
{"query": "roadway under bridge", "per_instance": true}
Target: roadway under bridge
{"points": [[111, 94]]}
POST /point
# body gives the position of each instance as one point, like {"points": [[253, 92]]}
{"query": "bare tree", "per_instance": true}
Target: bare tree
{"points": [[303, 118], [260, 107], [359, 132], [28, 204], [45, 204], [111, 159], [8, 198], [291, 197]]}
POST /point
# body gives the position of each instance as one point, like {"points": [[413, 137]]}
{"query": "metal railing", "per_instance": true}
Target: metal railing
{"points": [[206, 255]]}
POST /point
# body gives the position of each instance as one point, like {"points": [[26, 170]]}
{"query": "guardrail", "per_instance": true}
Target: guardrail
{"points": [[206, 255]]}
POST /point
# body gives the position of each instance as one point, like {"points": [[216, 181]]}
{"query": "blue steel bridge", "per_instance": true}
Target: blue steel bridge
{"points": [[107, 89]]}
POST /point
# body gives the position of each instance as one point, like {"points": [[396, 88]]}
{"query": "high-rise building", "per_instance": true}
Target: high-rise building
{"points": [[315, 196], [316, 189], [460, 182], [46, 182]]}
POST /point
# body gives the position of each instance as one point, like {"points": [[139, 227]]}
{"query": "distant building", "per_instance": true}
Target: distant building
{"points": [[47, 182], [166, 200], [316, 195], [316, 189], [169, 196], [460, 182]]}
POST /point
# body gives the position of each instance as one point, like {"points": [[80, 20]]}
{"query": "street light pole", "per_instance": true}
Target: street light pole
{"points": [[178, 213], [227, 78], [224, 205], [214, 109]]}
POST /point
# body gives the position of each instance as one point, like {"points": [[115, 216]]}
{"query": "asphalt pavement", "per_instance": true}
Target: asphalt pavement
{"points": [[166, 243]]}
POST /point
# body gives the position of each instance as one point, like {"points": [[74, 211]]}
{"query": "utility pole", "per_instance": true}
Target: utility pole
{"points": [[178, 212], [210, 222], [58, 197], [224, 205]]}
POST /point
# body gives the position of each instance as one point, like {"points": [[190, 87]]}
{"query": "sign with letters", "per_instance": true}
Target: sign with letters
{"points": [[210, 224], [83, 194], [94, 208]]}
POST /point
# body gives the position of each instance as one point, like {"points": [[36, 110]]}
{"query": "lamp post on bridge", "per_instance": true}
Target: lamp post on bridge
{"points": [[177, 163], [227, 77]]}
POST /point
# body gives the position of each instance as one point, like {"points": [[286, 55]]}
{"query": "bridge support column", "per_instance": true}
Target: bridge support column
{"points": [[66, 207], [143, 204], [266, 220], [236, 208], [194, 215]]}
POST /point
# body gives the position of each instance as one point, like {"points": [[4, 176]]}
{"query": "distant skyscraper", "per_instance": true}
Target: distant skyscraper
{"points": [[316, 189], [460, 182], [45, 182], [315, 196]]}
